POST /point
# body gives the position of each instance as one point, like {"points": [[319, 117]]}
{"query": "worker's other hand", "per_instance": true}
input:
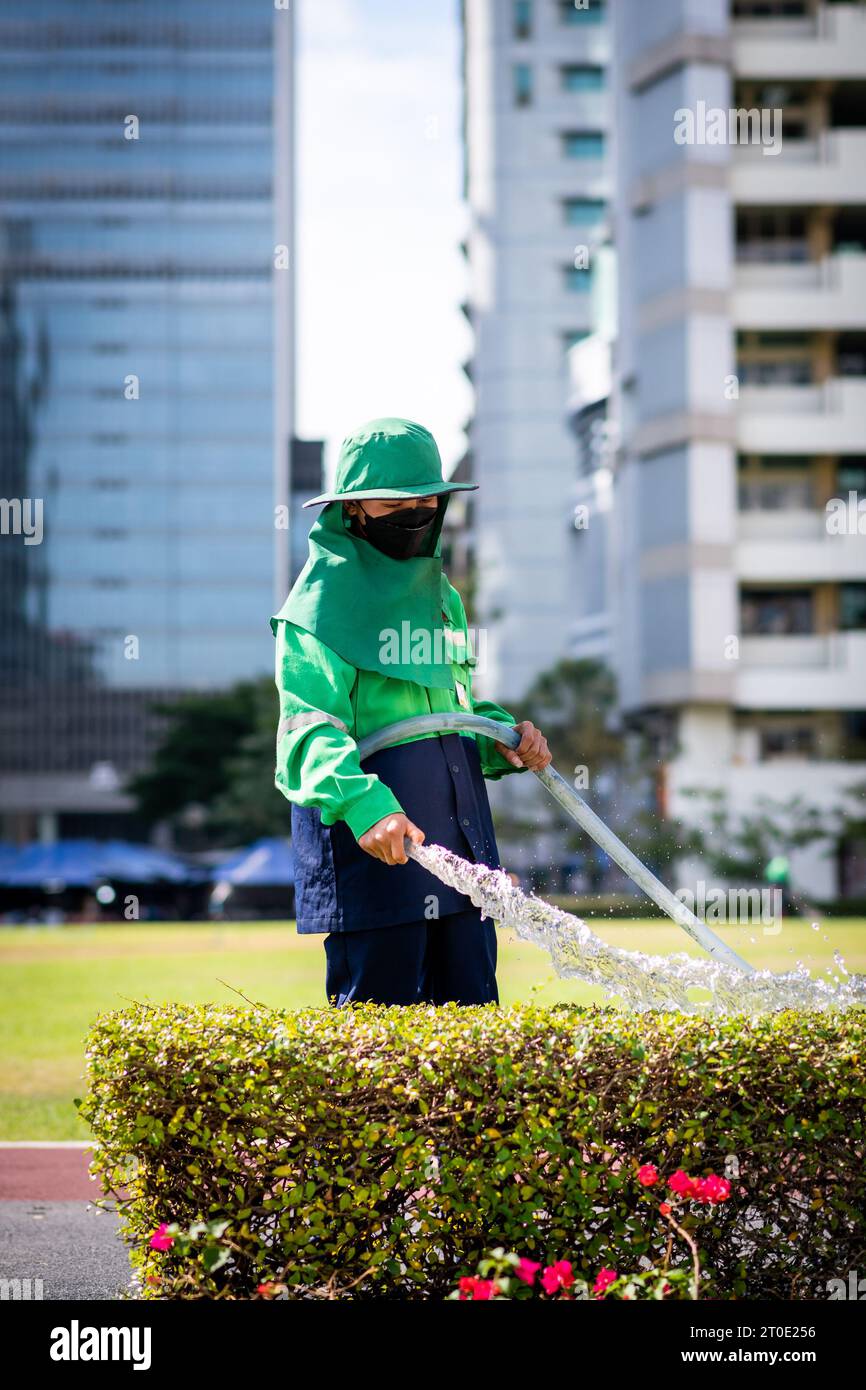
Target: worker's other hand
{"points": [[384, 840], [531, 752]]}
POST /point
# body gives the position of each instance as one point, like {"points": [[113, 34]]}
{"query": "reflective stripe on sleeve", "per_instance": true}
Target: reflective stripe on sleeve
{"points": [[312, 716]]}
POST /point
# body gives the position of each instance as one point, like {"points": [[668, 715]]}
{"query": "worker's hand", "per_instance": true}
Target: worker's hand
{"points": [[384, 840], [532, 751]]}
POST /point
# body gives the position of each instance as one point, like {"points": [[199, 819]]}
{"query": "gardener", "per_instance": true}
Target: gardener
{"points": [[373, 633]]}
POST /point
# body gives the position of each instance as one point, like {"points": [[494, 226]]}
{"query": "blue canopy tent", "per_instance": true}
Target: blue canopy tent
{"points": [[82, 863], [267, 863], [259, 881], [144, 864], [8, 856]]}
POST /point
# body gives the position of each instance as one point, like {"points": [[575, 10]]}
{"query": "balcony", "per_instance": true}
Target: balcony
{"points": [[825, 419], [808, 295], [815, 671], [832, 45], [793, 545], [831, 169]]}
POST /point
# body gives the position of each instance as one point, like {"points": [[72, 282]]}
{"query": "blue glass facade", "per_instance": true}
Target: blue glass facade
{"points": [[137, 340]]}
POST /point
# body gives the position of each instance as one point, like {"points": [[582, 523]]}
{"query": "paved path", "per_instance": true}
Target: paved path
{"points": [[51, 1231]]}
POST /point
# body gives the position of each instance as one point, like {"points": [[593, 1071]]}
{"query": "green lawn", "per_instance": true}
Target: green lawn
{"points": [[54, 981]]}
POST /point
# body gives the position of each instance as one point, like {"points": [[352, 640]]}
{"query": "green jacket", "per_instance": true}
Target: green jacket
{"points": [[327, 706]]}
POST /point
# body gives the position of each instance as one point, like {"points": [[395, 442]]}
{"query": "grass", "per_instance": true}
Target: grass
{"points": [[55, 980]]}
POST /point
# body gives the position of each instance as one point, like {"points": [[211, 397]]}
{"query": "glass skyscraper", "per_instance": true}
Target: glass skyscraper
{"points": [[146, 407]]}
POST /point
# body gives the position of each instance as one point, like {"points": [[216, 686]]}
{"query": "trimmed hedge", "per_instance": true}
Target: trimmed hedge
{"points": [[370, 1152]]}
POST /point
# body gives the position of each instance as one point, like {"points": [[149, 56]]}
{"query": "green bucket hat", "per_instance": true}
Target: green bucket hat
{"points": [[388, 458]]}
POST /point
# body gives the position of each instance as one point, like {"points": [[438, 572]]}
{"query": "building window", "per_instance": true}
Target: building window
{"points": [[583, 212], [851, 476], [780, 740], [773, 483], [854, 734], [771, 235], [583, 144], [776, 612], [576, 281], [522, 76], [758, 494], [770, 373], [523, 19], [578, 78], [851, 354], [775, 359], [581, 11], [852, 607], [771, 9]]}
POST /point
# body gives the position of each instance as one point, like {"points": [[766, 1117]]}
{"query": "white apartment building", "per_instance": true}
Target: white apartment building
{"points": [[537, 132], [735, 615]]}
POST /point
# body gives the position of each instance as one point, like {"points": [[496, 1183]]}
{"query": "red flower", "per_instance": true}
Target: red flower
{"points": [[527, 1270], [471, 1287], [557, 1276], [712, 1189], [159, 1240], [682, 1184], [665, 1208], [267, 1290], [603, 1281], [647, 1174]]}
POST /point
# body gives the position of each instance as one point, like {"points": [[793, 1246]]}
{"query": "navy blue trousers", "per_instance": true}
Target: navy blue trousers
{"points": [[449, 960]]}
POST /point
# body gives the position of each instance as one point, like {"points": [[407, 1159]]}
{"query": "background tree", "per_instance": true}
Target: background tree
{"points": [[217, 755], [250, 805], [754, 847], [575, 704]]}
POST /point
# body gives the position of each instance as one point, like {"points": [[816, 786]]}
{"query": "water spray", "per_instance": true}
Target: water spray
{"points": [[640, 980], [578, 810]]}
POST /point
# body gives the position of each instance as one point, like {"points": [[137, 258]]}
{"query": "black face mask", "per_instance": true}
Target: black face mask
{"points": [[400, 534]]}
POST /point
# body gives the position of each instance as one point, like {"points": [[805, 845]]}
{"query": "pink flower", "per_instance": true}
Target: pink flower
{"points": [[159, 1240], [557, 1276], [647, 1174], [603, 1281], [471, 1287], [527, 1270], [682, 1184], [665, 1208]]}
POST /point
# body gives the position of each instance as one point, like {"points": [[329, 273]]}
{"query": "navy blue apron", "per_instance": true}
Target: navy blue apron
{"points": [[340, 888]]}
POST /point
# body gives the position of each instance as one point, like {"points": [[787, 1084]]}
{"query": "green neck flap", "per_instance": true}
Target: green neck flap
{"points": [[377, 613]]}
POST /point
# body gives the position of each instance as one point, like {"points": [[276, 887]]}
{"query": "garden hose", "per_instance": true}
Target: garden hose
{"points": [[579, 811]]}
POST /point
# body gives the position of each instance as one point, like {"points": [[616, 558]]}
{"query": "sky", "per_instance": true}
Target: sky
{"points": [[380, 276]]}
